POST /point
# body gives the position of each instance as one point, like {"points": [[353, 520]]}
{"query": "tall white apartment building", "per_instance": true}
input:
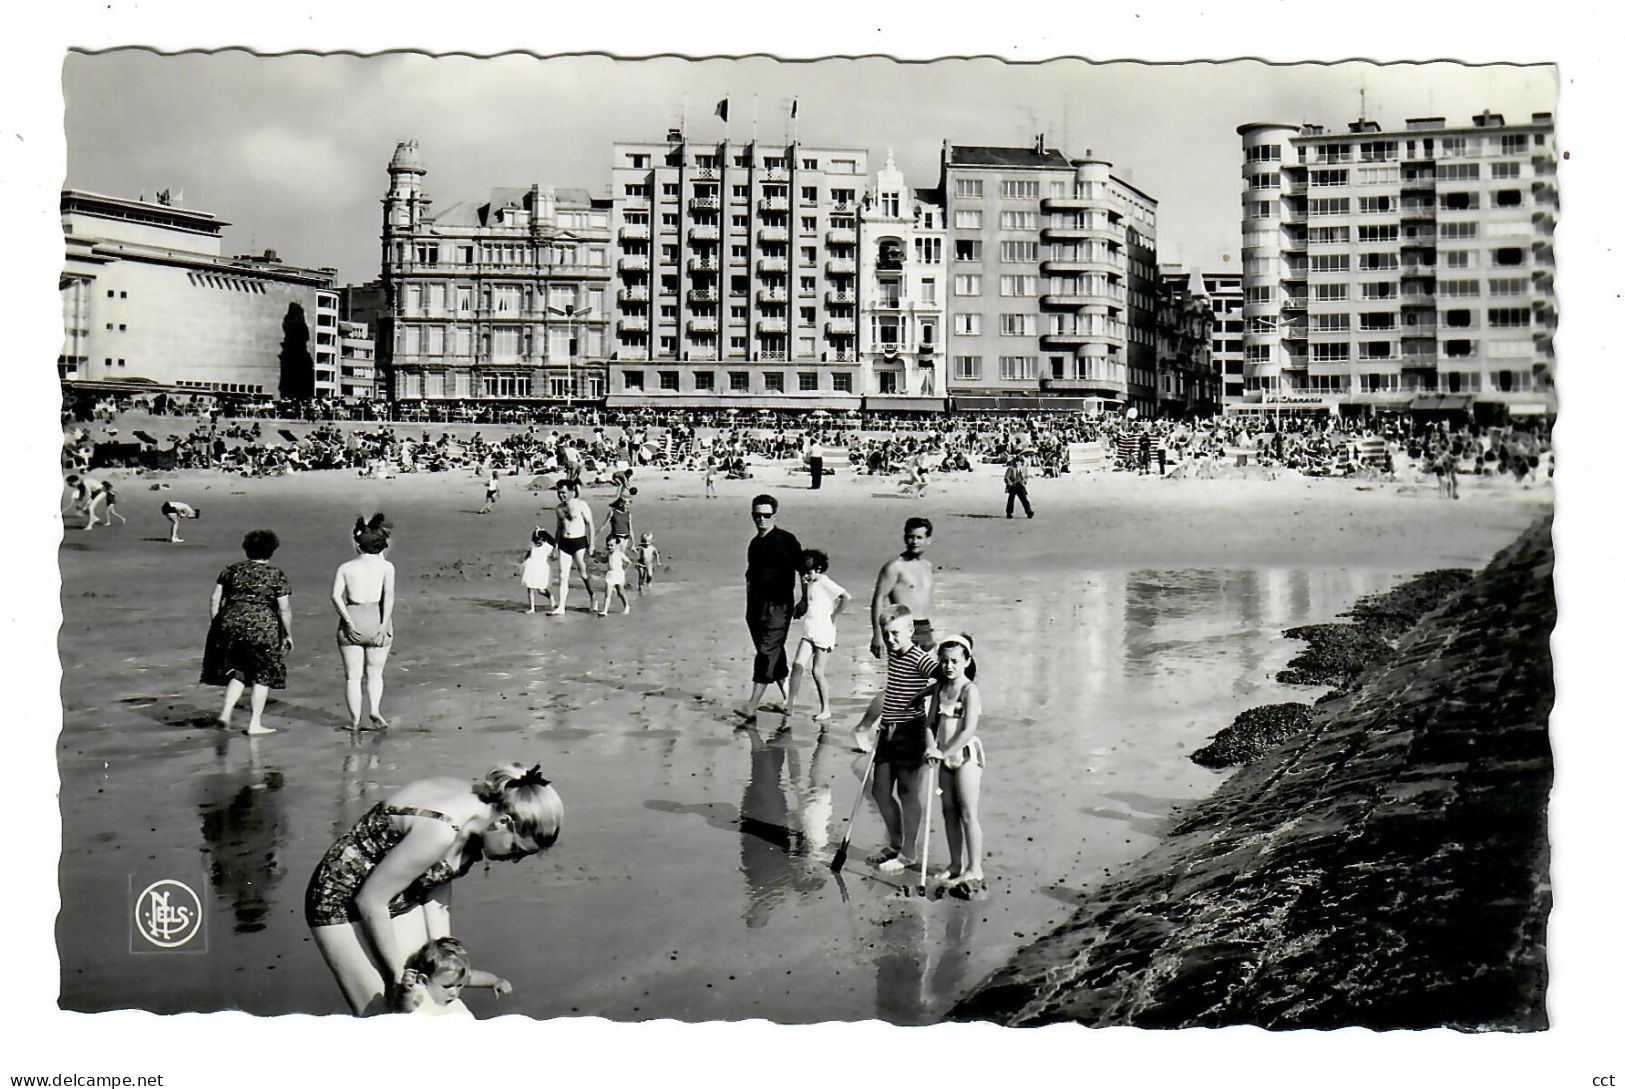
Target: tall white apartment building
{"points": [[902, 294], [736, 274], [1407, 268], [498, 299], [1224, 297], [325, 354], [1052, 287]]}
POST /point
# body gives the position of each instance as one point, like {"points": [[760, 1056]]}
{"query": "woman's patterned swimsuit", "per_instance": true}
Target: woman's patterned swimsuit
{"points": [[330, 896]]}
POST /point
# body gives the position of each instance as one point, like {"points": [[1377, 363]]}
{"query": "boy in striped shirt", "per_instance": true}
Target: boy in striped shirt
{"points": [[899, 778]]}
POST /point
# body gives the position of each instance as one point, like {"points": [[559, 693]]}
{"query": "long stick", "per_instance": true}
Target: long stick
{"points": [[930, 794], [840, 856]]}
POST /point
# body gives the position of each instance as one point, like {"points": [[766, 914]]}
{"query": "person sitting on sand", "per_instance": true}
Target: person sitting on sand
{"points": [[364, 598], [435, 975], [954, 714], [899, 762], [175, 510]]}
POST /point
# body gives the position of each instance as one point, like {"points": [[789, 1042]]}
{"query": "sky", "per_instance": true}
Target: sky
{"points": [[292, 150]]}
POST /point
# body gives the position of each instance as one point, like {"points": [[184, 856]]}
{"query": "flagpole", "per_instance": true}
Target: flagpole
{"points": [[753, 99]]}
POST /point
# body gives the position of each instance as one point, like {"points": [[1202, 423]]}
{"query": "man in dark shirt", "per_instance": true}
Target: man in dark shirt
{"points": [[773, 561]]}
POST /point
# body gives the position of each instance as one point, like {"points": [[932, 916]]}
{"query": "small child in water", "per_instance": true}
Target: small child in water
{"points": [[615, 576], [825, 599], [432, 985], [537, 574], [648, 560]]}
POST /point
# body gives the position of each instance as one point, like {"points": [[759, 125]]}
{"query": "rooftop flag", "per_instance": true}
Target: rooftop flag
{"points": [[722, 110]]}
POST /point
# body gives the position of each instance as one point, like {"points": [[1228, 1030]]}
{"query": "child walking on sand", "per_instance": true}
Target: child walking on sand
{"points": [[648, 560], [615, 576], [493, 492], [825, 598], [537, 574], [956, 710], [710, 477], [432, 984], [899, 762], [110, 504]]}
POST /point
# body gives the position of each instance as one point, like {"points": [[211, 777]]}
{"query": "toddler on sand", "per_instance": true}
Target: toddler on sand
{"points": [[615, 576], [648, 560], [537, 574], [433, 982]]}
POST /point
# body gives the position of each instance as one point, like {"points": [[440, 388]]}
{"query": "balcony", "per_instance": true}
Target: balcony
{"points": [[705, 204], [773, 204], [769, 296], [702, 325], [841, 266], [702, 294], [703, 264], [1427, 330], [633, 295], [702, 233], [1084, 385], [1417, 181], [703, 173], [1063, 302], [841, 236], [770, 326], [1063, 204], [840, 298], [1063, 265], [1419, 359], [635, 232], [633, 323], [840, 327], [633, 263], [888, 302], [773, 265], [1418, 268], [1062, 341], [889, 267], [775, 173], [773, 235]]}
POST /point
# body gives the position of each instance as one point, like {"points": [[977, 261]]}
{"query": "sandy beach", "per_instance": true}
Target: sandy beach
{"points": [[1116, 631]]}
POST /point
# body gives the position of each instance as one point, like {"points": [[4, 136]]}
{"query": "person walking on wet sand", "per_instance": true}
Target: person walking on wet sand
{"points": [[909, 580], [110, 505], [250, 630], [773, 561], [1015, 487], [574, 533]]}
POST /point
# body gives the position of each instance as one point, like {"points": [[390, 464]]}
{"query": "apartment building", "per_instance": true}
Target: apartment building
{"points": [[1052, 285], [1224, 298], [736, 270], [151, 301], [358, 378], [505, 298], [1187, 384], [1407, 268], [902, 291], [325, 348]]}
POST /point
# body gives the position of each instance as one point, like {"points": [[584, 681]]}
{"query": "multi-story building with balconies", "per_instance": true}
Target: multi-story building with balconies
{"points": [[901, 295], [358, 378], [1408, 268], [150, 301], [325, 353], [502, 299], [1052, 285], [736, 274], [1224, 298], [1187, 384]]}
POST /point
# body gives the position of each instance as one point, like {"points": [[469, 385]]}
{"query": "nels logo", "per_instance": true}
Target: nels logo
{"points": [[168, 914]]}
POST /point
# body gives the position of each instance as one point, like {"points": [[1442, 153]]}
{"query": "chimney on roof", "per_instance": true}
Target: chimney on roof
{"points": [[1038, 144]]}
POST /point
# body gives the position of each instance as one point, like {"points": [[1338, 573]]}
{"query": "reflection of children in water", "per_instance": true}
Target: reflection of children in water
{"points": [[244, 829], [773, 842], [918, 976]]}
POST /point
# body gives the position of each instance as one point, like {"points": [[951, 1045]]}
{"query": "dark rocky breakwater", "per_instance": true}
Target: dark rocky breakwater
{"points": [[1385, 867]]}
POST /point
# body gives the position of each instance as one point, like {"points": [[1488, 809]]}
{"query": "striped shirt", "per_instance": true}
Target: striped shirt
{"points": [[909, 674]]}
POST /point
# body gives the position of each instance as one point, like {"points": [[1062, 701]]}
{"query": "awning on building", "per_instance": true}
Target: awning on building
{"points": [[1528, 410], [1018, 402], [1442, 404], [894, 403]]}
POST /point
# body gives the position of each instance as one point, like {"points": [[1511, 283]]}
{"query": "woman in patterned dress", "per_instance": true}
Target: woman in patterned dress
{"points": [[382, 890], [250, 631]]}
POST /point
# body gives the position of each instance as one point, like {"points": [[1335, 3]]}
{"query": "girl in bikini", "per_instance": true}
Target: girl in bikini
{"points": [[364, 598], [575, 534], [955, 713]]}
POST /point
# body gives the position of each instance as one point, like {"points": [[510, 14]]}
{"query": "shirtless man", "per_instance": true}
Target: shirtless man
{"points": [[907, 579]]}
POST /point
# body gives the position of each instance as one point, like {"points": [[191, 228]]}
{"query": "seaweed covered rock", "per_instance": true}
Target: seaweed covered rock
{"points": [[1253, 733], [1396, 611], [1336, 654]]}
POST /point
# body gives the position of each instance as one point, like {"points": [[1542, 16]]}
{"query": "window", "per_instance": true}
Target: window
{"points": [[1458, 171], [928, 251], [1458, 288], [1018, 251], [842, 382], [1508, 198], [1258, 353], [967, 284], [1329, 353], [1018, 221], [1263, 153], [1379, 261], [773, 381], [1329, 206], [1328, 177], [968, 368], [1458, 202], [1458, 349], [968, 325], [1503, 171], [928, 291], [809, 194], [1514, 145], [632, 380], [1329, 236], [968, 188], [1263, 209], [1515, 286], [670, 189], [1458, 319], [1379, 289], [739, 381], [1461, 259], [1018, 367], [1017, 189], [1018, 325], [1465, 229], [1376, 205], [1508, 256], [1018, 285], [967, 249], [1260, 294], [1511, 318], [705, 381], [968, 219], [741, 192], [807, 381], [1329, 262], [1330, 323], [1387, 232], [668, 380], [1271, 180], [1376, 320]]}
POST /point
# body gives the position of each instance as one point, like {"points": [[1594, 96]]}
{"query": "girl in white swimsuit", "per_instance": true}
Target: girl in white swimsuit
{"points": [[955, 713]]}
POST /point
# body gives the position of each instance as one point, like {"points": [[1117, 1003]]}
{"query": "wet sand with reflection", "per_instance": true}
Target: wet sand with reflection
{"points": [[1115, 633]]}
